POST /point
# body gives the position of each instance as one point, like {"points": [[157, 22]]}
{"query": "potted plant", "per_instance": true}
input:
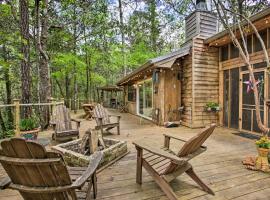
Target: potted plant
{"points": [[263, 147], [212, 106], [29, 128]]}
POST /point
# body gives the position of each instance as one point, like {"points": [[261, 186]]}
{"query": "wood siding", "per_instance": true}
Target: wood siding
{"points": [[203, 23], [205, 77], [186, 91]]}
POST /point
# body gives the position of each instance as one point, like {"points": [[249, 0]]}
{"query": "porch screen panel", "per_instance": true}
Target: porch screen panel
{"points": [[255, 125], [226, 98], [246, 119], [249, 122], [234, 107]]}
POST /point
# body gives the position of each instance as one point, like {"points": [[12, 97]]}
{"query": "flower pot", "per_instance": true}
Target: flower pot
{"points": [[30, 135], [213, 109], [209, 109], [262, 159]]}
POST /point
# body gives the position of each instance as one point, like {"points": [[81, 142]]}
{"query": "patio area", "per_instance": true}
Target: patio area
{"points": [[220, 166]]}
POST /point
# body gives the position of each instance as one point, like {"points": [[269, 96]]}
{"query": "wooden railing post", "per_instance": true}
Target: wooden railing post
{"points": [[63, 101], [17, 117]]}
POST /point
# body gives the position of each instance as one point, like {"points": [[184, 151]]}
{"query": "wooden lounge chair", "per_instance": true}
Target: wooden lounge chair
{"points": [[39, 174], [61, 122], [103, 119], [164, 165]]}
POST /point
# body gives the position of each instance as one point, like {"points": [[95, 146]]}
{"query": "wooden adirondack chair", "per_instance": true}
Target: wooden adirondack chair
{"points": [[61, 122], [39, 174], [103, 119], [164, 165]]}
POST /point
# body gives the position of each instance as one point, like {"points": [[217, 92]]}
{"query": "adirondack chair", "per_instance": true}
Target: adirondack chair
{"points": [[103, 120], [39, 174], [164, 165], [61, 122]]}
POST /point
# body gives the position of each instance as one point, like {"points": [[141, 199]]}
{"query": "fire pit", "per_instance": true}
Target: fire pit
{"points": [[115, 149]]}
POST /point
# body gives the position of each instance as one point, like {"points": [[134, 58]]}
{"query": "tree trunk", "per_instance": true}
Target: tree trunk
{"points": [[153, 22], [122, 35], [2, 125], [8, 90], [44, 80], [25, 62]]}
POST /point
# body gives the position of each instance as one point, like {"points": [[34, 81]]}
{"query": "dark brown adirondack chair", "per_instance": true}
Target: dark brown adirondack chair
{"points": [[103, 119], [39, 174], [61, 122], [164, 165]]}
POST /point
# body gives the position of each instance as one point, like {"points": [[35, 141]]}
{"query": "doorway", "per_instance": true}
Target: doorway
{"points": [[247, 110], [145, 99]]}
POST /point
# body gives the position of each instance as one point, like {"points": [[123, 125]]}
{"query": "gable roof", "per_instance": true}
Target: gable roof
{"points": [[165, 61]]}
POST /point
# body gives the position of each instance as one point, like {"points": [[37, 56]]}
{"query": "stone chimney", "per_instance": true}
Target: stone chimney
{"points": [[201, 22]]}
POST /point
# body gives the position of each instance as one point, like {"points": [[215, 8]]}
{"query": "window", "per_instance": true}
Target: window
{"points": [[257, 43], [234, 51], [224, 53], [131, 93], [249, 44]]}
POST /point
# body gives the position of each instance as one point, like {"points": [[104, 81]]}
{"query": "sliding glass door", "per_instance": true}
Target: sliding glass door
{"points": [[145, 98]]}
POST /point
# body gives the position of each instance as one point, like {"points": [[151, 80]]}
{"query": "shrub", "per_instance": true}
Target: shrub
{"points": [[28, 124], [263, 142]]}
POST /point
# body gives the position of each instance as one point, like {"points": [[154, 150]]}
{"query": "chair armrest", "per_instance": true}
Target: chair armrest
{"points": [[78, 122], [117, 116], [174, 137], [91, 169], [167, 138], [160, 152], [4, 183]]}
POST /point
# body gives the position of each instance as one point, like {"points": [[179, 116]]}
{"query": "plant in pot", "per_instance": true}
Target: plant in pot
{"points": [[29, 128], [263, 147], [212, 106]]}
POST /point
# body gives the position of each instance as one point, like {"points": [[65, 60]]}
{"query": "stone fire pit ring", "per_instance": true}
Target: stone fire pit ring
{"points": [[70, 150]]}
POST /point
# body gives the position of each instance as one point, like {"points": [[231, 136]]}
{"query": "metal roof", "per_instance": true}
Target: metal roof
{"points": [[165, 61]]}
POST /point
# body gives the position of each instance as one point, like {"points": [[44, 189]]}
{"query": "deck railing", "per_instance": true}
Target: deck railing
{"points": [[17, 110]]}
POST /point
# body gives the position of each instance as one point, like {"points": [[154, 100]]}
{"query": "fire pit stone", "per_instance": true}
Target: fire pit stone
{"points": [[71, 151]]}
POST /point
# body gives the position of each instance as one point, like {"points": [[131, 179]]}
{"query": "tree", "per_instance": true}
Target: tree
{"points": [[239, 40], [25, 61]]}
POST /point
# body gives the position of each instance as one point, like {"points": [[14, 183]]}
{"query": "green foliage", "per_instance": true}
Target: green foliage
{"points": [[263, 142], [28, 124], [212, 105]]}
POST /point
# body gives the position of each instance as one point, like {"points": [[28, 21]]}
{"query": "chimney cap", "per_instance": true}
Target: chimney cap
{"points": [[201, 5]]}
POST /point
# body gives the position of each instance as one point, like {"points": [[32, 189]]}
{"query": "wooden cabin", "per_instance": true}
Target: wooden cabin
{"points": [[238, 107], [207, 68]]}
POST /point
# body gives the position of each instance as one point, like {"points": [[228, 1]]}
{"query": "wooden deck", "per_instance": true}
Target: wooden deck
{"points": [[220, 167]]}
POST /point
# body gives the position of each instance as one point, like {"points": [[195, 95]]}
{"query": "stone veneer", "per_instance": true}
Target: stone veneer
{"points": [[70, 150]]}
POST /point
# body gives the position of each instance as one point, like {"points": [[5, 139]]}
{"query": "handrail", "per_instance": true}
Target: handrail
{"points": [[31, 104]]}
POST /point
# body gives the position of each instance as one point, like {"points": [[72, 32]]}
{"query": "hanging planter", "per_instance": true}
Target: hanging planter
{"points": [[212, 107]]}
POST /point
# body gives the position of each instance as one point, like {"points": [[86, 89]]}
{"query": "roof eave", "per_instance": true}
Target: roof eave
{"points": [[253, 18]]}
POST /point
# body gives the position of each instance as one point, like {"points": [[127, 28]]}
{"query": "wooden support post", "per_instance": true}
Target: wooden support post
{"points": [[139, 165], [167, 142], [17, 117]]}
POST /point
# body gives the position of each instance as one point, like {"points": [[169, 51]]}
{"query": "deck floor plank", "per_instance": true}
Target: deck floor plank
{"points": [[220, 167]]}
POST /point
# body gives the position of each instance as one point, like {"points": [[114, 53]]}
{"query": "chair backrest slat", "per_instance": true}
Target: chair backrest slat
{"points": [[46, 175], [100, 112], [61, 117], [191, 146]]}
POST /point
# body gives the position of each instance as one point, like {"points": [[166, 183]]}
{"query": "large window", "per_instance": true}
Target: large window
{"points": [[131, 93], [145, 104], [224, 53], [257, 43], [234, 51]]}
